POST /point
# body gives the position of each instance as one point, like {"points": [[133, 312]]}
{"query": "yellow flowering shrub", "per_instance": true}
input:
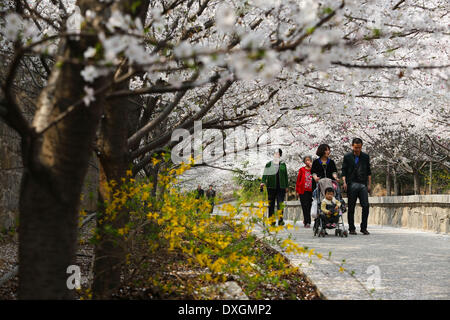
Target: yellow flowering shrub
{"points": [[218, 246]]}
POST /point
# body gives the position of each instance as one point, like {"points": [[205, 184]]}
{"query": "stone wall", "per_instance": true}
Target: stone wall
{"points": [[422, 212], [11, 174], [89, 194]]}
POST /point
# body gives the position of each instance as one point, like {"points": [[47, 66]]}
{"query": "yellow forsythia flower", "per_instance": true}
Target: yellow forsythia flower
{"points": [[155, 161], [123, 231], [145, 195]]}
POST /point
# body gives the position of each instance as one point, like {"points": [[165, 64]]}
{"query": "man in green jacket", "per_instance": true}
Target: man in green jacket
{"points": [[276, 180]]}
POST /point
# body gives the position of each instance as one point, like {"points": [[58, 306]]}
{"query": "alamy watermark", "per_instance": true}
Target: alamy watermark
{"points": [[373, 282], [74, 280], [211, 146]]}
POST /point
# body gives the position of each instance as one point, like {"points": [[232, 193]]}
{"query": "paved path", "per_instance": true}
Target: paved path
{"points": [[390, 263], [410, 264]]}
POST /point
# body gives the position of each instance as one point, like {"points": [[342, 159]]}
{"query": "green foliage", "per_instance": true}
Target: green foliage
{"points": [[328, 10], [175, 224], [310, 30], [440, 181], [135, 5], [249, 190], [376, 32]]}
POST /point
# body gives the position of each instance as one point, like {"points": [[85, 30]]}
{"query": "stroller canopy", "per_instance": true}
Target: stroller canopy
{"points": [[325, 183]]}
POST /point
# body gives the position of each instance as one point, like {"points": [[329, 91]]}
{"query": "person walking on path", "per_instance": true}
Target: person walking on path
{"points": [[200, 193], [303, 188], [211, 196], [357, 180], [324, 166], [275, 178]]}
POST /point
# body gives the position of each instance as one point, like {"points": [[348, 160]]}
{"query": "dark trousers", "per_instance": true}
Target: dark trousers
{"points": [[211, 202], [306, 202], [278, 196], [330, 219], [354, 191]]}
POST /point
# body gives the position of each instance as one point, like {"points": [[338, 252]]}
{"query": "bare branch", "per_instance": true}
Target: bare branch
{"points": [[11, 112], [296, 43], [381, 66], [398, 4], [163, 115], [364, 95], [162, 89]]}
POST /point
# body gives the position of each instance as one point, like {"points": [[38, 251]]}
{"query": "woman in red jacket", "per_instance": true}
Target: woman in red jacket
{"points": [[303, 188]]}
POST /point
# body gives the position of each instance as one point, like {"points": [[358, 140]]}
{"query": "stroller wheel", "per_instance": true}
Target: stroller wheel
{"points": [[336, 232], [345, 233]]}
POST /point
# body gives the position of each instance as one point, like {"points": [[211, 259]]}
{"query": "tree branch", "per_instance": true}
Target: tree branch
{"points": [[163, 115], [162, 89], [398, 4], [364, 95], [9, 110], [157, 143], [296, 43], [380, 66]]}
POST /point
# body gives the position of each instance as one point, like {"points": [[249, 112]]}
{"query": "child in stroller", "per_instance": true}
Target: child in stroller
{"points": [[329, 210], [330, 207]]}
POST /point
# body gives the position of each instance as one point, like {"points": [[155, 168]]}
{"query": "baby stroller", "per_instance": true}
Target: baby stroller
{"points": [[320, 220]]}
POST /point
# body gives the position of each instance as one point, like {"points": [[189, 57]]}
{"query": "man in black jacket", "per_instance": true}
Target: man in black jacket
{"points": [[199, 192], [211, 195], [357, 178]]}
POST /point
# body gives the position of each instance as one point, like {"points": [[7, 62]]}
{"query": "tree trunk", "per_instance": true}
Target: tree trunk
{"points": [[55, 162], [388, 180], [394, 176], [114, 161], [430, 190], [416, 181]]}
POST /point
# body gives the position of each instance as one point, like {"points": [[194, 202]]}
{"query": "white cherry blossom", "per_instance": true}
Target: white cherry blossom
{"points": [[89, 97]]}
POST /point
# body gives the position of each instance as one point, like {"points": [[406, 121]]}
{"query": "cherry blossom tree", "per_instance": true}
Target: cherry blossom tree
{"points": [[118, 77]]}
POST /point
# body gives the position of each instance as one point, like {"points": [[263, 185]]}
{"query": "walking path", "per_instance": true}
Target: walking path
{"points": [[390, 263]]}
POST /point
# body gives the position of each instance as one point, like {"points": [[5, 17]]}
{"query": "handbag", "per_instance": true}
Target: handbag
{"points": [[314, 209]]}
